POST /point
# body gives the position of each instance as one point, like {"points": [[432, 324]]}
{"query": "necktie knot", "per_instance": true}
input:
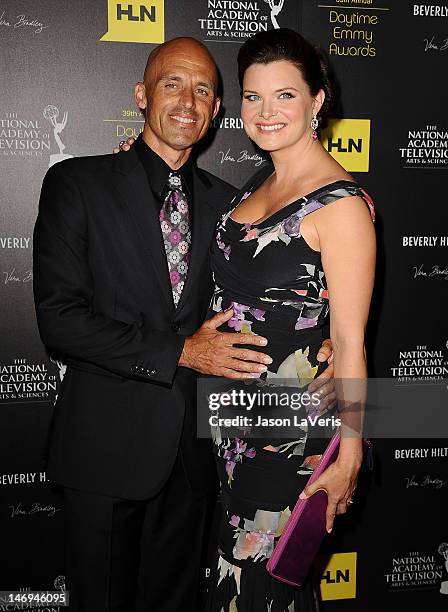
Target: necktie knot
{"points": [[174, 182], [173, 191]]}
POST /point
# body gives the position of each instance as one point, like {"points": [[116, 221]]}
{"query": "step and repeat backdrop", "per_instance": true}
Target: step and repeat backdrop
{"points": [[68, 70]]}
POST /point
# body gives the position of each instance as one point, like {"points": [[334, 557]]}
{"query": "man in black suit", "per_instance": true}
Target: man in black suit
{"points": [[136, 481]]}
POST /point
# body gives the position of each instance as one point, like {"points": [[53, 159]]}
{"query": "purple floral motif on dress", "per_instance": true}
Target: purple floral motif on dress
{"points": [[304, 323], [221, 245], [235, 520], [258, 313], [235, 454], [291, 225], [312, 205], [238, 319]]}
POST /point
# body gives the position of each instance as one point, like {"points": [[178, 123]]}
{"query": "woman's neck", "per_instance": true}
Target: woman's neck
{"points": [[298, 162]]}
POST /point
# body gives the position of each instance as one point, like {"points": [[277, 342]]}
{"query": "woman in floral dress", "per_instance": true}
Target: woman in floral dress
{"points": [[297, 241]]}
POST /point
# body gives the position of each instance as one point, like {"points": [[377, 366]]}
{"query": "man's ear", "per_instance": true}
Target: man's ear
{"points": [[217, 107], [140, 95]]}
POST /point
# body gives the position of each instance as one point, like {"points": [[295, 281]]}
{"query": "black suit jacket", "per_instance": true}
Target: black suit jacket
{"points": [[104, 305]]}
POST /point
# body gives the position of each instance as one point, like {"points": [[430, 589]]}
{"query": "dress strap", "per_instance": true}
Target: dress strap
{"points": [[337, 191]]}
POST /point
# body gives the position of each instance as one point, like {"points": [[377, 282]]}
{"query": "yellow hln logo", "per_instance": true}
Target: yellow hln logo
{"points": [[140, 21], [338, 576], [348, 141]]}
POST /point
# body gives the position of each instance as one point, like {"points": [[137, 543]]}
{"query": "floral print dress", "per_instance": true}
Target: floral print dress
{"points": [[276, 285]]}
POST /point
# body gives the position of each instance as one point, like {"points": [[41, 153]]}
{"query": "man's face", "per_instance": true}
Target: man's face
{"points": [[179, 95]]}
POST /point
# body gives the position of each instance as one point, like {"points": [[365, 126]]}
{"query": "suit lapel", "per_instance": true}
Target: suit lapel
{"points": [[132, 184], [204, 221]]}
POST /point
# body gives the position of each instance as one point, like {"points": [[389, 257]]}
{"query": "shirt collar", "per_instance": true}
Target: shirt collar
{"points": [[158, 170]]}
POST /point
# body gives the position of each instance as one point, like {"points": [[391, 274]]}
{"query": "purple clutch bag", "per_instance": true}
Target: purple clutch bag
{"points": [[306, 528]]}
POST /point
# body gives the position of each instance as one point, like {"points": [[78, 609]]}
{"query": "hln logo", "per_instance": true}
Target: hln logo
{"points": [[348, 141], [338, 576], [126, 12], [140, 21], [352, 145]]}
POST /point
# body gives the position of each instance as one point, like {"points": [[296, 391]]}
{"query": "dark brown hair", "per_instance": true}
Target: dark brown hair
{"points": [[286, 44]]}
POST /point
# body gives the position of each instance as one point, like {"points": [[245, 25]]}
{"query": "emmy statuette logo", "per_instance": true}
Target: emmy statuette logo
{"points": [[275, 11], [59, 583], [51, 114], [443, 550]]}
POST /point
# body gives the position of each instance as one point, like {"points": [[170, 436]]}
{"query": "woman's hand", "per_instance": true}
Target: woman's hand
{"points": [[339, 481], [323, 386], [124, 145]]}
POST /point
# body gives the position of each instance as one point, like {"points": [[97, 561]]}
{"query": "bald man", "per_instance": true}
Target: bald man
{"points": [[114, 303]]}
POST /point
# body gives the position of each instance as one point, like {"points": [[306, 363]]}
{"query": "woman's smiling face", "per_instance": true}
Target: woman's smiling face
{"points": [[277, 106]]}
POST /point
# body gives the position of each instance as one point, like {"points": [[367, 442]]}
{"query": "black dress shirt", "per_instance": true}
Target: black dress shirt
{"points": [[158, 171]]}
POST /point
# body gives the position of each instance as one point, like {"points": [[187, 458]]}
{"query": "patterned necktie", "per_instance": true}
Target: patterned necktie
{"points": [[175, 224]]}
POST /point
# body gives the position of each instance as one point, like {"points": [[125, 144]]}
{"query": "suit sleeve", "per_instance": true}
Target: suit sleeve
{"points": [[64, 295]]}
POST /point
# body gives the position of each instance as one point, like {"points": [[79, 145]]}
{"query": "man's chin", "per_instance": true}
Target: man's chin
{"points": [[183, 141]]}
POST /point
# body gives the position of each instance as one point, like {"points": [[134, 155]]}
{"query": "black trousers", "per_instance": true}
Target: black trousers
{"points": [[139, 556]]}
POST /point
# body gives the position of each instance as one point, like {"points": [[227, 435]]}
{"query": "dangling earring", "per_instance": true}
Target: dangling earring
{"points": [[314, 126]]}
